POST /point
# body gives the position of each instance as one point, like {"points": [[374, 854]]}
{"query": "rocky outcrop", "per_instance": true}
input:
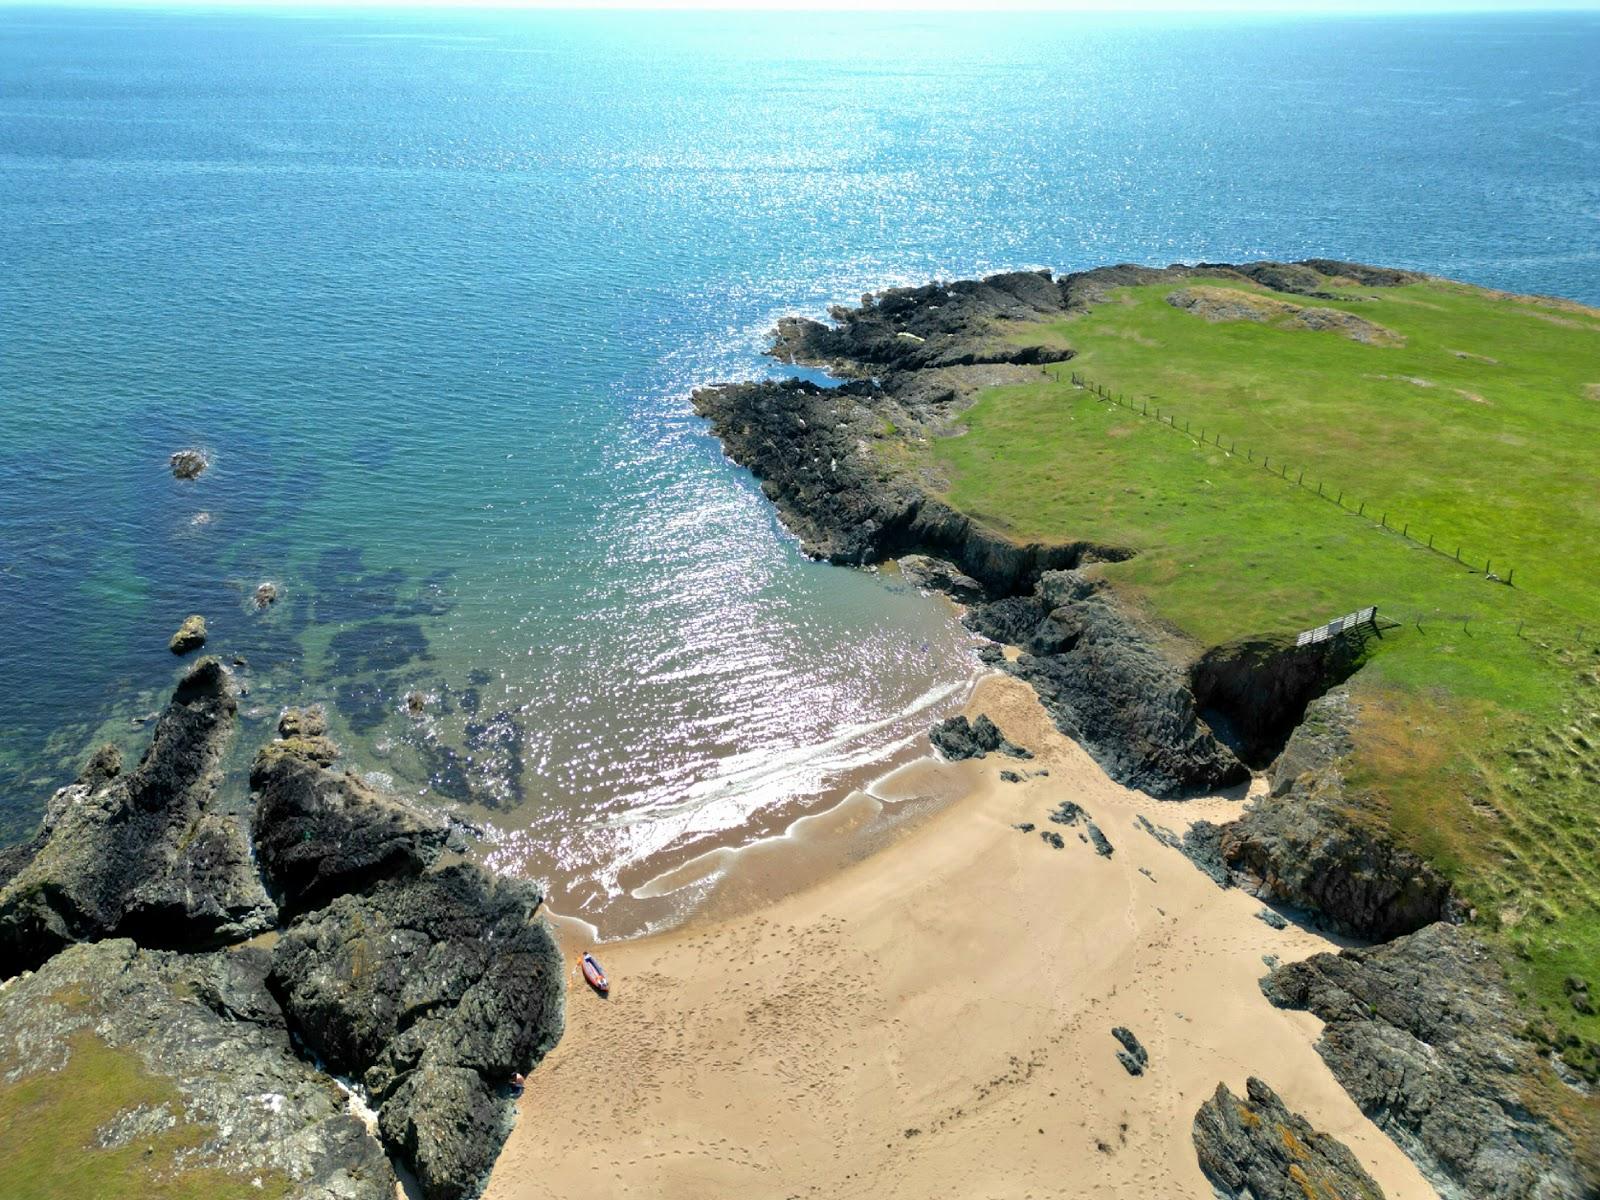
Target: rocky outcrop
{"points": [[224, 1088], [1309, 847], [1107, 685], [1423, 1034], [191, 635], [140, 853], [1256, 1149], [937, 575], [1255, 693], [321, 833], [956, 739], [1133, 1056], [188, 464], [431, 991]]}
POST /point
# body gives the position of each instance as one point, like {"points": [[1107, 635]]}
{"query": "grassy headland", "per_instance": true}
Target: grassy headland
{"points": [[1429, 411]]}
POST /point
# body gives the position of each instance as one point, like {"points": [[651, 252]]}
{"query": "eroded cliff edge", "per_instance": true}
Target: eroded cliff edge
{"points": [[840, 466]]}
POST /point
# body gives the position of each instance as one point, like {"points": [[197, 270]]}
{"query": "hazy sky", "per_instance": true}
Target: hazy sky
{"points": [[1167, 6]]}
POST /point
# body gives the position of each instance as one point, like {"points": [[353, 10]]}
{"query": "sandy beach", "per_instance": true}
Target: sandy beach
{"points": [[935, 1019]]}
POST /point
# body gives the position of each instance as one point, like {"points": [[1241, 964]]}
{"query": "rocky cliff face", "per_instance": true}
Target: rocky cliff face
{"points": [[140, 853], [1256, 1149], [429, 987], [207, 1028], [1423, 1034]]}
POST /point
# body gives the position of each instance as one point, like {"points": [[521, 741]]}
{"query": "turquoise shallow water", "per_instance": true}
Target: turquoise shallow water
{"points": [[432, 290]]}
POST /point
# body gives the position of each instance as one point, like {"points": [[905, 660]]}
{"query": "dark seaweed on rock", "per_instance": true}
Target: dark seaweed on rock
{"points": [[141, 853], [1256, 1149], [321, 833], [1423, 1034]]}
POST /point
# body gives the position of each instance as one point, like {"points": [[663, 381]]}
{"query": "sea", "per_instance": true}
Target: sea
{"points": [[431, 289]]}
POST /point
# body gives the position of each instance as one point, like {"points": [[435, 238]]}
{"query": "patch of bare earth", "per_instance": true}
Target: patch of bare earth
{"points": [[1230, 304]]}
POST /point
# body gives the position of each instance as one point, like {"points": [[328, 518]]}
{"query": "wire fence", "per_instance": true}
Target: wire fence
{"points": [[1280, 469]]}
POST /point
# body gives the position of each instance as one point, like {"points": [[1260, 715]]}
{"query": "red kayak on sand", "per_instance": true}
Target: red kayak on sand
{"points": [[595, 976]]}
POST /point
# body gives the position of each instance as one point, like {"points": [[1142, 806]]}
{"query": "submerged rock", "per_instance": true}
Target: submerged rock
{"points": [[321, 833], [141, 853], [218, 1085], [265, 595], [188, 464], [432, 991], [1423, 1034], [191, 635], [1256, 1149]]}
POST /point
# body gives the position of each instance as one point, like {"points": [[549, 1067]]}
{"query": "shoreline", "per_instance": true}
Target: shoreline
{"points": [[934, 1018]]}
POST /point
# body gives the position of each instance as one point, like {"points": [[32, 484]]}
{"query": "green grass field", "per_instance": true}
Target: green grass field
{"points": [[50, 1125], [1477, 424]]}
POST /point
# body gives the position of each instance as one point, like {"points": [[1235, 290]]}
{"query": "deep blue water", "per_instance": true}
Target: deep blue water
{"points": [[432, 290]]}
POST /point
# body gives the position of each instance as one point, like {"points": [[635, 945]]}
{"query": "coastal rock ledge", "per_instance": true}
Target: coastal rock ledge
{"points": [[134, 984]]}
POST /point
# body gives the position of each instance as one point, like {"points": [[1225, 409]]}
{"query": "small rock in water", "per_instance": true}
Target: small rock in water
{"points": [[1010, 777], [415, 703], [1132, 1056], [188, 464], [240, 660], [191, 635], [265, 596], [1052, 838], [1271, 918]]}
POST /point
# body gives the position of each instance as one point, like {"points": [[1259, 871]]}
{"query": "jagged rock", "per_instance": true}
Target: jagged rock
{"points": [[1025, 826], [1200, 843], [140, 853], [1256, 1149], [937, 575], [417, 985], [265, 595], [1067, 813], [1325, 734], [1011, 619], [205, 1027], [191, 635], [1423, 1034], [1133, 1056], [1311, 849], [188, 464], [1102, 847], [416, 703], [1106, 685], [1010, 777], [1267, 917], [321, 833], [956, 739], [1053, 839]]}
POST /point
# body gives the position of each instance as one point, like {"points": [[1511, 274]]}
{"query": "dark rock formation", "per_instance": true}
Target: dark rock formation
{"points": [[1053, 839], [1256, 1149], [1102, 847], [1200, 843], [1106, 684], [432, 991], [1254, 693], [1423, 1034], [191, 635], [188, 464], [937, 575], [206, 1025], [1010, 777], [1271, 919], [1309, 850], [1133, 1056], [321, 833], [956, 739], [140, 854]]}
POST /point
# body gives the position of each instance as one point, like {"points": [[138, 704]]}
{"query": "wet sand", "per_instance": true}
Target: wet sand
{"points": [[934, 1020]]}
